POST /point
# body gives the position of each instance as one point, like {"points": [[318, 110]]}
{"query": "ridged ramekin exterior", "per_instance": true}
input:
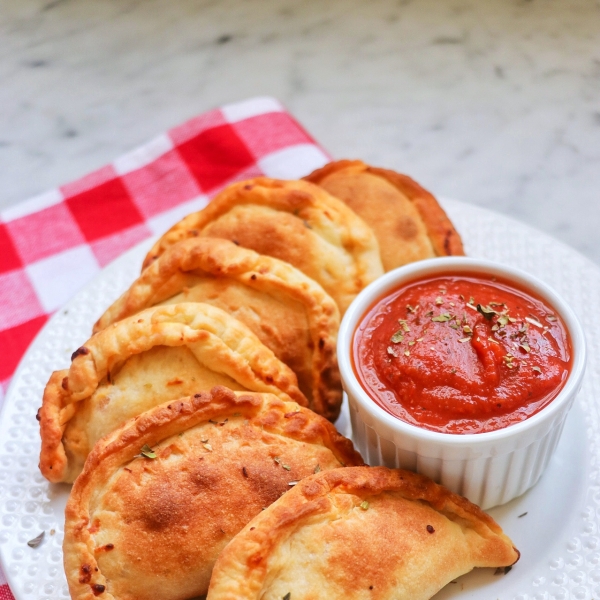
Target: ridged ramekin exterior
{"points": [[489, 468], [488, 477]]}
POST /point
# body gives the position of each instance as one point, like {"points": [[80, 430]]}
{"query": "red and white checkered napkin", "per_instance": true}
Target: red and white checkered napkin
{"points": [[5, 593], [51, 245]]}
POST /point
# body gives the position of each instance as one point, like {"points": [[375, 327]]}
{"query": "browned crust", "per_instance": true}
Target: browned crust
{"points": [[164, 421], [412, 486], [317, 209], [250, 550], [226, 339], [223, 259], [53, 460], [444, 238], [335, 166], [287, 196]]}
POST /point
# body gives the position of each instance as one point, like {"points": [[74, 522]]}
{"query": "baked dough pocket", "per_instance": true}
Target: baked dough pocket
{"points": [[408, 221], [162, 353], [359, 533], [160, 497], [288, 311], [295, 221]]}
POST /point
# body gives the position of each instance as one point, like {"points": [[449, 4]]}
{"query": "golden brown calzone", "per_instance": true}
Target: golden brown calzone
{"points": [[295, 221], [160, 497], [408, 221], [160, 354], [289, 312], [359, 533]]}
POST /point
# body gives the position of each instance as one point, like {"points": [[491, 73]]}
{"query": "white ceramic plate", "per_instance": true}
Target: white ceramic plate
{"points": [[555, 525]]}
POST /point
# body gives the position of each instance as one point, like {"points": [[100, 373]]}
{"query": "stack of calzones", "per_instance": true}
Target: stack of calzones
{"points": [[207, 390]]}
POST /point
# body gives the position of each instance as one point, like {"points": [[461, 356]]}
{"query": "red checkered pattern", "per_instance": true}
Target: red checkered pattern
{"points": [[52, 245]]}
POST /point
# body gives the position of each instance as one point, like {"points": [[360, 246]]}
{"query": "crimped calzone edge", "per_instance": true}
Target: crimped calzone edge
{"points": [[161, 496], [295, 221], [288, 311], [408, 220], [359, 533], [115, 368]]}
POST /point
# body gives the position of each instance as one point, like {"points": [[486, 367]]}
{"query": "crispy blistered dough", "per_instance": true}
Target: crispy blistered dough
{"points": [[139, 527], [289, 312], [408, 221], [294, 221], [160, 354], [376, 533]]}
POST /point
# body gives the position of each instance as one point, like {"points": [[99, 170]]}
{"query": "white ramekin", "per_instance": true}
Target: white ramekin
{"points": [[487, 468]]}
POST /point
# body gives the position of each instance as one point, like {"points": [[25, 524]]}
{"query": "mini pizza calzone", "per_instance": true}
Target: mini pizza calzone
{"points": [[359, 533], [295, 221], [160, 497], [159, 354], [408, 221], [288, 311]]}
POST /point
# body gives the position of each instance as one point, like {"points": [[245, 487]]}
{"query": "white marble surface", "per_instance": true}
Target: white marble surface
{"points": [[493, 102]]}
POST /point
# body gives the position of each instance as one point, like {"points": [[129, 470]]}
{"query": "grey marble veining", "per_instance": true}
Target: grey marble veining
{"points": [[493, 102]]}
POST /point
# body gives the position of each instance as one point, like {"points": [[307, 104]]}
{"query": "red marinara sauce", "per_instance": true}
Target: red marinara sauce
{"points": [[461, 354]]}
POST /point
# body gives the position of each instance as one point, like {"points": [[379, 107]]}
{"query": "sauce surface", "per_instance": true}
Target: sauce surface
{"points": [[461, 354]]}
